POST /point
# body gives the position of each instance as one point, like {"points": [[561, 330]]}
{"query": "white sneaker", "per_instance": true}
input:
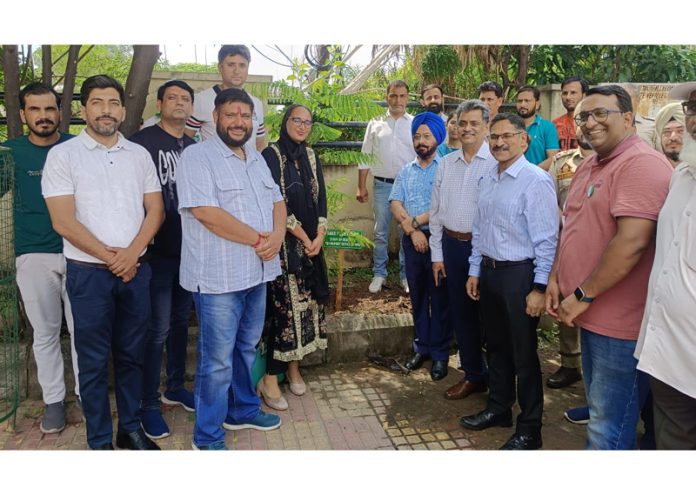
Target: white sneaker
{"points": [[404, 284], [376, 284]]}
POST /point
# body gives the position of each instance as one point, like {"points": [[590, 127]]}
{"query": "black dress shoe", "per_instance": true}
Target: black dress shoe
{"points": [[520, 441], [136, 440], [439, 370], [106, 446], [564, 377], [415, 361], [486, 419]]}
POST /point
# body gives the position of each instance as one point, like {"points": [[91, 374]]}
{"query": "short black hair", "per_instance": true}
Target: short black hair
{"points": [[491, 86], [233, 94], [174, 82], [231, 50], [36, 88], [624, 99], [516, 121], [397, 83], [100, 81], [533, 89], [583, 83], [432, 86]]}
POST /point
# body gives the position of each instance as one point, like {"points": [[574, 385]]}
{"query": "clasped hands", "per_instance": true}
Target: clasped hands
{"points": [[123, 262]]}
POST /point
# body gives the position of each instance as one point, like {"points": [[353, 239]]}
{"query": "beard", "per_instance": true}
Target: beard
{"points": [[104, 126], [234, 143], [672, 155], [435, 108], [424, 152], [36, 129], [525, 114]]}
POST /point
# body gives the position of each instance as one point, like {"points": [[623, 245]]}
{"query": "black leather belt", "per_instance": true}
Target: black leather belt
{"points": [[491, 263], [384, 179]]}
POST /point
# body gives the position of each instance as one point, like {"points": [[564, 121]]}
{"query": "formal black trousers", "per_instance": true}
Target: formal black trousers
{"points": [[512, 344]]}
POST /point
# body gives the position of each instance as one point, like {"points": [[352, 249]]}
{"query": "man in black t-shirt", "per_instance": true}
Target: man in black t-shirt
{"points": [[170, 303]]}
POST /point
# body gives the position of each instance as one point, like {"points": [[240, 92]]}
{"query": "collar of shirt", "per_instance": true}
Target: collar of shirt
{"points": [[388, 116], [90, 143], [226, 152], [514, 169], [484, 153], [537, 121], [435, 161], [618, 149]]}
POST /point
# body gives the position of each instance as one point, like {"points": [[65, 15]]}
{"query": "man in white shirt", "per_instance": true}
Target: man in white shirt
{"points": [[233, 64], [388, 140], [666, 347], [105, 200]]}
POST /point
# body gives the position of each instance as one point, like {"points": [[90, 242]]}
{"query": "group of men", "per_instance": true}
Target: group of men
{"points": [[155, 223], [491, 242], [150, 225]]}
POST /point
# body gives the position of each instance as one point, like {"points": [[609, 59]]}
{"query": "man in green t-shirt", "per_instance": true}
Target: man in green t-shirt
{"points": [[39, 249]]}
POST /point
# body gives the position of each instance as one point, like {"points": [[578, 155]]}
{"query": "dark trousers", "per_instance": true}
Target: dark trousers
{"points": [[429, 303], [675, 417], [110, 319], [463, 311], [511, 339], [171, 309]]}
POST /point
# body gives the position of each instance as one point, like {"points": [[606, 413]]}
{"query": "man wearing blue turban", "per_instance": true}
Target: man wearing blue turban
{"points": [[410, 205]]}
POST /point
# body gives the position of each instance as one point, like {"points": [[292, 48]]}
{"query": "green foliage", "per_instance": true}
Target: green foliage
{"points": [[441, 65], [114, 60], [322, 96], [612, 63], [165, 66]]}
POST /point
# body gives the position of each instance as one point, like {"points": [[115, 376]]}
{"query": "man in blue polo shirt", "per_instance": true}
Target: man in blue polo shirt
{"points": [[543, 138]]}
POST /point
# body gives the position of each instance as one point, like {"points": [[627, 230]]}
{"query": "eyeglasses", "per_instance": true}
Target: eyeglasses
{"points": [[689, 107], [598, 114], [506, 137], [299, 122]]}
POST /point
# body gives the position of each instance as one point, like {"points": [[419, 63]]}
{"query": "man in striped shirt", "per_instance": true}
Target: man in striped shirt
{"points": [[515, 232], [452, 210]]}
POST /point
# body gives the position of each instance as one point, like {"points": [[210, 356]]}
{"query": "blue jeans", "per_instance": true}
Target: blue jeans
{"points": [[230, 326], [171, 309], [383, 218], [611, 386], [110, 319]]}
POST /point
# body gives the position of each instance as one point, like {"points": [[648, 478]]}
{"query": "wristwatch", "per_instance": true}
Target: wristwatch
{"points": [[581, 296], [414, 223], [539, 287]]}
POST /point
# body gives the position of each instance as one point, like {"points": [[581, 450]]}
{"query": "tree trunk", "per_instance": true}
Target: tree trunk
{"points": [[46, 65], [68, 87], [144, 60], [10, 65], [522, 64]]}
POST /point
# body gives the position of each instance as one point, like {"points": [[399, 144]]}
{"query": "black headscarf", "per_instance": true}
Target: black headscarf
{"points": [[303, 203]]}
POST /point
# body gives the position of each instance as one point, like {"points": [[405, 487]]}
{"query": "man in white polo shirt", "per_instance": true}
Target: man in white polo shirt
{"points": [[233, 64], [105, 200]]}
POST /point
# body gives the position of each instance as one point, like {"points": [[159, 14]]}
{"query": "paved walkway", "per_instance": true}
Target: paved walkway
{"points": [[356, 406]]}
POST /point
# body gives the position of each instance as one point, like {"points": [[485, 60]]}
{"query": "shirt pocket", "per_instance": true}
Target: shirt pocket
{"points": [[232, 196], [267, 190]]}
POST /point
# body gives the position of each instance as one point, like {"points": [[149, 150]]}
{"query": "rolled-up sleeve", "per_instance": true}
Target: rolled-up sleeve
{"points": [[541, 213]]}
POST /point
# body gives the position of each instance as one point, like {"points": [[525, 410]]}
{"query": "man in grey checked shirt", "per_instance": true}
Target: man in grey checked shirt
{"points": [[233, 222], [452, 210]]}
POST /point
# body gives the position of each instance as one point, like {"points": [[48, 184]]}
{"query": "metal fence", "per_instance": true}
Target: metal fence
{"points": [[9, 315]]}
